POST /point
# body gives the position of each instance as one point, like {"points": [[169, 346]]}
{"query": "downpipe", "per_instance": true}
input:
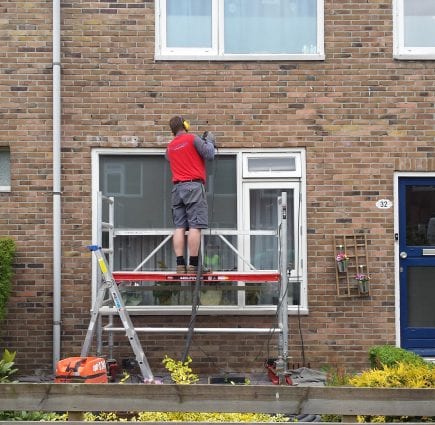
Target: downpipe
{"points": [[57, 253]]}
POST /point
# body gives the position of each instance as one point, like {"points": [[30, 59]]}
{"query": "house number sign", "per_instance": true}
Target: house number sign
{"points": [[384, 204]]}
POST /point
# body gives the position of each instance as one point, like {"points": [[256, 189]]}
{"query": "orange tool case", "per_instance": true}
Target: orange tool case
{"points": [[81, 370]]}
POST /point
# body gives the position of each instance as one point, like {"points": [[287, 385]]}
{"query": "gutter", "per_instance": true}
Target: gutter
{"points": [[57, 254]]}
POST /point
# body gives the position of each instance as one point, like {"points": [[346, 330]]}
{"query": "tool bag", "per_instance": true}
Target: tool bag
{"points": [[81, 370]]}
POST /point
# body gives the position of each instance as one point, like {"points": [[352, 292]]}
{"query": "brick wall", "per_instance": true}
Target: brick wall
{"points": [[360, 114]]}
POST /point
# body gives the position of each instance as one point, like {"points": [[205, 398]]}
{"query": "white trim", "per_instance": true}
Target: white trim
{"points": [[250, 57], [399, 50], [239, 309], [296, 173], [216, 51], [396, 259], [5, 188]]}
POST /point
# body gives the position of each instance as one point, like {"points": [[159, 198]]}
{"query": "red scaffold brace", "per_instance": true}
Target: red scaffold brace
{"points": [[272, 373]]}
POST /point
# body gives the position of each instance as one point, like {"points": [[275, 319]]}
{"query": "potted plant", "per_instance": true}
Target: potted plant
{"points": [[363, 283], [342, 261]]}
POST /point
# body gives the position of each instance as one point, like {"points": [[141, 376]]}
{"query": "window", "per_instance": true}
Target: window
{"points": [[239, 29], [414, 29], [243, 190], [5, 170]]}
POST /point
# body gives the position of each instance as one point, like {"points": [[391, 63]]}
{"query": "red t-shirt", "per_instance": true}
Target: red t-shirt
{"points": [[185, 161]]}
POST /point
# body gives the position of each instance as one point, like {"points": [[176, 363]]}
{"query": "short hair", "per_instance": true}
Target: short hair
{"points": [[176, 124]]}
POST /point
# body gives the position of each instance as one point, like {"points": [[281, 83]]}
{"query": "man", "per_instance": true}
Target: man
{"points": [[187, 154]]}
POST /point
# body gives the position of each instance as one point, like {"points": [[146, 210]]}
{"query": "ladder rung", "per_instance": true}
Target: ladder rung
{"points": [[108, 328]]}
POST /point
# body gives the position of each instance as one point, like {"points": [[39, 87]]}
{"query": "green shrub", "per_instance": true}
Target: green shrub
{"points": [[185, 417], [336, 377], [7, 366], [7, 252], [32, 416], [181, 373], [388, 355], [399, 375]]}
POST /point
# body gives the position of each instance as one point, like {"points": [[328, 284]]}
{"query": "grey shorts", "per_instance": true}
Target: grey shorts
{"points": [[189, 206]]}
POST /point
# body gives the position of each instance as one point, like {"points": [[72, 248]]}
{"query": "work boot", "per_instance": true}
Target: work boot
{"points": [[191, 269], [181, 269]]}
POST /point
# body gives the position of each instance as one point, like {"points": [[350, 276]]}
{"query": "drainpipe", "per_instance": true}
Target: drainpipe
{"points": [[57, 255]]}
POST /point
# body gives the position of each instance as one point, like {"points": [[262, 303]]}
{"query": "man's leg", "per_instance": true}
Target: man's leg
{"points": [[193, 241], [178, 241]]}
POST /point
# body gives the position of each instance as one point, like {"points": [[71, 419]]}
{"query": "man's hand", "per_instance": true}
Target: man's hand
{"points": [[209, 137]]}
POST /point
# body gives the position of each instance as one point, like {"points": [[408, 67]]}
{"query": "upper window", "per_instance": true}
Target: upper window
{"points": [[5, 170], [414, 29], [239, 29]]}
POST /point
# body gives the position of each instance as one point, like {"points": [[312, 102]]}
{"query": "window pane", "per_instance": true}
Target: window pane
{"points": [[141, 186], [419, 23], [222, 192], [420, 215], [271, 164], [218, 256], [188, 23], [264, 216], [5, 167], [421, 288], [270, 26]]}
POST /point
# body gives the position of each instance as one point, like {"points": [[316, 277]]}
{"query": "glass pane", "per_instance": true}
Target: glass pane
{"points": [[419, 23], [5, 167], [132, 181], [141, 186], [421, 288], [188, 23], [420, 215], [268, 293], [270, 26], [264, 248], [222, 192], [271, 164], [218, 256], [132, 250]]}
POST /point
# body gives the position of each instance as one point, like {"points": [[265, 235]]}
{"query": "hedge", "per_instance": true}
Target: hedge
{"points": [[7, 252]]}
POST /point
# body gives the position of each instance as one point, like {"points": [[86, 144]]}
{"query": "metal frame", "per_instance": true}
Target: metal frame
{"points": [[112, 279]]}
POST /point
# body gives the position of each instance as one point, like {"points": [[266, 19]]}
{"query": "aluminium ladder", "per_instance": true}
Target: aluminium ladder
{"points": [[110, 284]]}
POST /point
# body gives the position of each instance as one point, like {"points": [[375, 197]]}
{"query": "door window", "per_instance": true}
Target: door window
{"points": [[420, 215], [262, 243]]}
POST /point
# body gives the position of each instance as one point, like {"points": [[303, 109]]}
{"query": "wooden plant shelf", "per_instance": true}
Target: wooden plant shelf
{"points": [[355, 247]]}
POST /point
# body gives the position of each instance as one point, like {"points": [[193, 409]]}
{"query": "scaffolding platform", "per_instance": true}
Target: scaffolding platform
{"points": [[144, 276]]}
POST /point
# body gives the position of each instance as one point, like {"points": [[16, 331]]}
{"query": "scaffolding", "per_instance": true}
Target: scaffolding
{"points": [[111, 280]]}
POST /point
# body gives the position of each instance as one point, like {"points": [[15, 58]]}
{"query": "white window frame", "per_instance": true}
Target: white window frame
{"points": [[216, 52], [399, 49], [242, 185], [271, 174], [244, 240]]}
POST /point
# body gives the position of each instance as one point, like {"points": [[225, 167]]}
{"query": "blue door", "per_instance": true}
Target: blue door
{"points": [[417, 264]]}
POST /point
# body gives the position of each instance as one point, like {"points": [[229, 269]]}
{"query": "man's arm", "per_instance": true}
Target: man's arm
{"points": [[206, 146]]}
